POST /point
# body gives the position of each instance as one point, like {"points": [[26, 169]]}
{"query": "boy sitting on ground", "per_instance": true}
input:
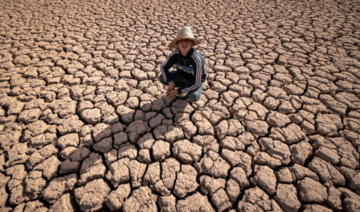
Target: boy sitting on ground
{"points": [[190, 75]]}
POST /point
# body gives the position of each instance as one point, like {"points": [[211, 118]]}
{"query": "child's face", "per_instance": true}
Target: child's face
{"points": [[185, 44]]}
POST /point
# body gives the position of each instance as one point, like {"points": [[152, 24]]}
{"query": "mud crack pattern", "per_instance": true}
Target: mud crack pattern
{"points": [[84, 125]]}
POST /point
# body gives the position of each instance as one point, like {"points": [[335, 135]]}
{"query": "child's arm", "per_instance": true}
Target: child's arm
{"points": [[164, 68], [200, 65]]}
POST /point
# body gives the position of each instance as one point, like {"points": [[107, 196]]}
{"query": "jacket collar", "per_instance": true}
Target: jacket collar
{"points": [[189, 53]]}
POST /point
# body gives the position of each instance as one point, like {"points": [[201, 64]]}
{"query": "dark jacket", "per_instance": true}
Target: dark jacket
{"points": [[191, 67]]}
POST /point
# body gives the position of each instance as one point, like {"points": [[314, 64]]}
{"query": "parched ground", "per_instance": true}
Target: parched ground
{"points": [[84, 125]]}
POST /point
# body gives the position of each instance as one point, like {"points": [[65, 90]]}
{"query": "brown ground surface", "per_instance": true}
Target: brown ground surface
{"points": [[84, 124]]}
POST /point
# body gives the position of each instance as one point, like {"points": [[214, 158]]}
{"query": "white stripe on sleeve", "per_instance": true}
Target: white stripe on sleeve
{"points": [[198, 75]]}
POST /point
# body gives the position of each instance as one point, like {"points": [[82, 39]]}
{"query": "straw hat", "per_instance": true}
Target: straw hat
{"points": [[184, 33]]}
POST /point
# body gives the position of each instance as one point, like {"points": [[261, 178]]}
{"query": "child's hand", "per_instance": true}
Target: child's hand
{"points": [[171, 93], [171, 86]]}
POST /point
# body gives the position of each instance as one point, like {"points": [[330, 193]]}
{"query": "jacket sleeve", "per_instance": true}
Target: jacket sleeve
{"points": [[164, 68], [200, 65]]}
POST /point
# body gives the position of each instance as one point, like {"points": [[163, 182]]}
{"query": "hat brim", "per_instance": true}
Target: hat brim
{"points": [[173, 44]]}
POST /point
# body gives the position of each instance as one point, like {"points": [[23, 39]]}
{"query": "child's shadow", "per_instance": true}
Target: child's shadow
{"points": [[133, 133]]}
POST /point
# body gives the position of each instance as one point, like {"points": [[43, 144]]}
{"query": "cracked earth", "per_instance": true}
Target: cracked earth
{"points": [[84, 125]]}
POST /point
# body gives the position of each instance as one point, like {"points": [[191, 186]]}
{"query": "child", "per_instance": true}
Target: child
{"points": [[190, 75]]}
